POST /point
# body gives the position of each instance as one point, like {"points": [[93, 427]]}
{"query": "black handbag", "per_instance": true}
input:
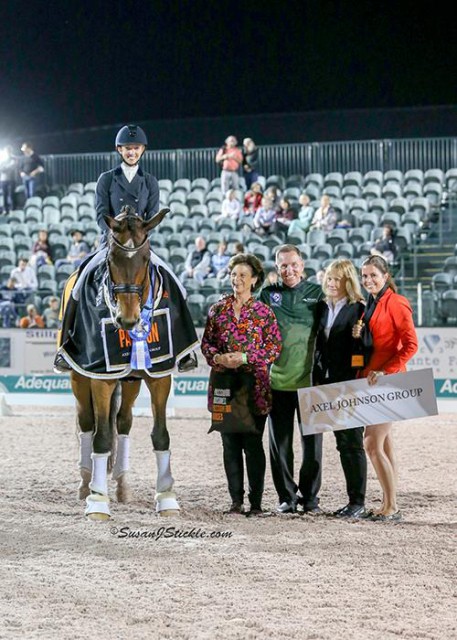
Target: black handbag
{"points": [[233, 406]]}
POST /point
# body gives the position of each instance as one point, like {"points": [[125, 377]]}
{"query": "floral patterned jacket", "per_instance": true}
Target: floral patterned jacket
{"points": [[255, 333]]}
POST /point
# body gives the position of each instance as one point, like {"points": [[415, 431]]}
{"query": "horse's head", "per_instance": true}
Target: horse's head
{"points": [[128, 262]]}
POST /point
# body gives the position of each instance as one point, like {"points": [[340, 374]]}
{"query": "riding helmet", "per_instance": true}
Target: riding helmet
{"points": [[131, 134]]}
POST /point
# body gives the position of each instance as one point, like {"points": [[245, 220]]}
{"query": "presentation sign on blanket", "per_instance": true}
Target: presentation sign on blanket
{"points": [[350, 404]]}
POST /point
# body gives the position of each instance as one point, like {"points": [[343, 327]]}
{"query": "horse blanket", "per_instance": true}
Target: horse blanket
{"points": [[97, 349]]}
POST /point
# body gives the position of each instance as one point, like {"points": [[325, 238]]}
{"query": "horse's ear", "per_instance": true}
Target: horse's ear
{"points": [[157, 219], [112, 223]]}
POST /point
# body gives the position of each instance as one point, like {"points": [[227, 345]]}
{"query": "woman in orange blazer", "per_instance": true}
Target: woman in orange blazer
{"points": [[390, 319]]}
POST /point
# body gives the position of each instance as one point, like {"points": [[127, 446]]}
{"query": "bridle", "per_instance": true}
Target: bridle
{"points": [[123, 287]]}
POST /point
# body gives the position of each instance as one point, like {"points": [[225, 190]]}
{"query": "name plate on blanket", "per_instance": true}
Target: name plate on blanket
{"points": [[117, 343], [350, 404]]}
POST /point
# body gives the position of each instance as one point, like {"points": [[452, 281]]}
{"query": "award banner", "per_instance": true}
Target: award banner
{"points": [[353, 403]]}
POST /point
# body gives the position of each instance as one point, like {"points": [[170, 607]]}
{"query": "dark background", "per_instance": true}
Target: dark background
{"points": [[194, 72]]}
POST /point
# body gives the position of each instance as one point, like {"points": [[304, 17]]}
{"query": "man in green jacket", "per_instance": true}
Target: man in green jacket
{"points": [[293, 301]]}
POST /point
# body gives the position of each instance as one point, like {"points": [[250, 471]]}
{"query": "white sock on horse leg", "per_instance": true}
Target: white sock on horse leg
{"points": [[85, 450], [164, 478], [99, 481], [121, 465]]}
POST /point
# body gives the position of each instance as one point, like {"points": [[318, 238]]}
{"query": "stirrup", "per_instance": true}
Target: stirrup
{"points": [[60, 364], [188, 363]]}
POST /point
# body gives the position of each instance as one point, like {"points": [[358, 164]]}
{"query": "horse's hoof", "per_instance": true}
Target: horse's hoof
{"points": [[169, 513], [167, 503], [98, 517], [83, 491], [97, 507], [123, 492]]}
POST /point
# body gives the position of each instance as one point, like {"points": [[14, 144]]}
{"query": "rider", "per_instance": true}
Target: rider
{"points": [[126, 184]]}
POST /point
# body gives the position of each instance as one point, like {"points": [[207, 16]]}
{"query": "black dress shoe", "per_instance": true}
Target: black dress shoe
{"points": [[188, 363], [286, 507], [236, 509], [313, 511], [351, 511]]}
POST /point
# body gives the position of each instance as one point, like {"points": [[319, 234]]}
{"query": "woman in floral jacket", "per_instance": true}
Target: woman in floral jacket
{"points": [[242, 336]]}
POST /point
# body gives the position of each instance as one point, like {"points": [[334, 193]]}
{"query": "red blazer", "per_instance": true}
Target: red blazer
{"points": [[394, 335]]}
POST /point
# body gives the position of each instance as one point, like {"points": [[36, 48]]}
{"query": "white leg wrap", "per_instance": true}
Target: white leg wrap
{"points": [[164, 478], [85, 450], [97, 507], [165, 496], [121, 465], [99, 481]]}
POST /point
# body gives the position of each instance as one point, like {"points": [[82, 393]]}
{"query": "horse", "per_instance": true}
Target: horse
{"points": [[130, 286]]}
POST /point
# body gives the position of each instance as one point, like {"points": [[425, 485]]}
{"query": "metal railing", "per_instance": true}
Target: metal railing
{"points": [[285, 159]]}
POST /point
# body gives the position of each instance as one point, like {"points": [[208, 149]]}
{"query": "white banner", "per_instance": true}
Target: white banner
{"points": [[345, 405]]}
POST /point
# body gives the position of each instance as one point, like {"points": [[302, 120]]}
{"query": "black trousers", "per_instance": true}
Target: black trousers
{"points": [[234, 444], [349, 443], [282, 415]]}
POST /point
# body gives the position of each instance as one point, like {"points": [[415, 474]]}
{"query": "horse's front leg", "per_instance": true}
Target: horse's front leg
{"points": [[130, 391], [85, 419], [98, 501], [166, 502]]}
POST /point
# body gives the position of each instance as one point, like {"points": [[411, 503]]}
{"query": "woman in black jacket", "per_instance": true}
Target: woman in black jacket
{"points": [[336, 359]]}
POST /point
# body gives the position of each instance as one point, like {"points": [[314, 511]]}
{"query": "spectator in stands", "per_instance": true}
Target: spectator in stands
{"points": [[41, 251], [198, 263], [274, 193], [23, 276], [305, 215], [385, 245], [239, 248], [229, 157], [231, 206], [253, 199], [32, 319], [250, 159], [325, 217], [271, 278], [284, 217], [8, 171], [51, 313], [265, 217], [31, 168], [219, 261], [8, 313], [79, 249]]}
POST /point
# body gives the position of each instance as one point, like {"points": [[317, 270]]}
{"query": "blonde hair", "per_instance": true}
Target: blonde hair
{"points": [[343, 268]]}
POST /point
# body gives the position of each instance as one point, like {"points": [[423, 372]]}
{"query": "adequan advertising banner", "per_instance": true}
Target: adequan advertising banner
{"points": [[354, 403]]}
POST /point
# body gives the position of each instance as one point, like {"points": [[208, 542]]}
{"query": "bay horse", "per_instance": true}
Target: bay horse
{"points": [[99, 410]]}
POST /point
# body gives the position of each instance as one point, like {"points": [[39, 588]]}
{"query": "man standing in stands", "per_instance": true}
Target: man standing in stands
{"points": [[230, 157], [31, 168]]}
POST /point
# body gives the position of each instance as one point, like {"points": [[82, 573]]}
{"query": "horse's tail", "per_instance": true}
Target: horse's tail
{"points": [[115, 405]]}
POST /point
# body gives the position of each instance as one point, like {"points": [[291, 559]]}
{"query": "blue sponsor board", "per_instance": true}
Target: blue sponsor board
{"points": [[183, 385], [445, 388]]}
